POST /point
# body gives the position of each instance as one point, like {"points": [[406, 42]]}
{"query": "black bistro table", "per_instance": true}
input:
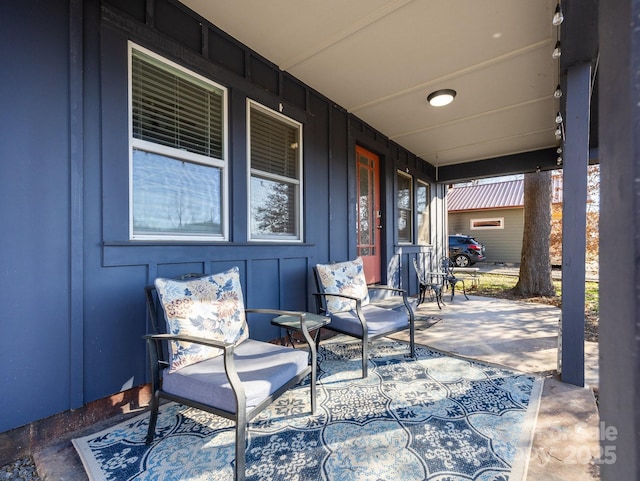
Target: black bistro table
{"points": [[291, 323]]}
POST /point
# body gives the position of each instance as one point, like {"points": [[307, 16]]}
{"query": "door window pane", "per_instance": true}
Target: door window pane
{"points": [[364, 212]]}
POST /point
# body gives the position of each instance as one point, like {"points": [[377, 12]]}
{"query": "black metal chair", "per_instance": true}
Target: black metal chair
{"points": [[359, 316], [426, 282], [449, 279], [232, 384]]}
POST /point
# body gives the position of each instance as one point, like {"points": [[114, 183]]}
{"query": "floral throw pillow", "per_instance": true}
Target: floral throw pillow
{"points": [[343, 278], [211, 307]]}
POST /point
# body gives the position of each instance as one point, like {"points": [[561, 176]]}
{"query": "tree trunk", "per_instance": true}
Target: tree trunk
{"points": [[535, 263]]}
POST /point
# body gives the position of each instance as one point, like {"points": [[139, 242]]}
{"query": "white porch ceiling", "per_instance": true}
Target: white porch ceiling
{"points": [[379, 59]]}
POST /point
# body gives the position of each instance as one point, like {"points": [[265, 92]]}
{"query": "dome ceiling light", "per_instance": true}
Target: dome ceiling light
{"points": [[440, 98]]}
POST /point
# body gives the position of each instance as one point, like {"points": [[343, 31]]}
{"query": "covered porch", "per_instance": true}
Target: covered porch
{"points": [[356, 75], [522, 79], [513, 334]]}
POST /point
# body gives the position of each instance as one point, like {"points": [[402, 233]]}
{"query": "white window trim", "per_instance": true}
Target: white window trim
{"points": [[178, 154], [488, 219], [299, 182]]}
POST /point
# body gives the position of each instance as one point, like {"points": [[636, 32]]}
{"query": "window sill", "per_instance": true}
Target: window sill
{"points": [[146, 252]]}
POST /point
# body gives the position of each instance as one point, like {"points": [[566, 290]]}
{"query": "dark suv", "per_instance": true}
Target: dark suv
{"points": [[465, 251]]}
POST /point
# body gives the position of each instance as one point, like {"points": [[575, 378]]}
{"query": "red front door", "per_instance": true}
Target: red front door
{"points": [[369, 215]]}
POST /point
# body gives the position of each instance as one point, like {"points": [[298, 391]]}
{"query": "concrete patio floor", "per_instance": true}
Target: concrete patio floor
{"points": [[513, 334], [524, 336]]}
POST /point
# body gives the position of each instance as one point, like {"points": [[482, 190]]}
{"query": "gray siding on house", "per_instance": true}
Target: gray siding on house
{"points": [[501, 245]]}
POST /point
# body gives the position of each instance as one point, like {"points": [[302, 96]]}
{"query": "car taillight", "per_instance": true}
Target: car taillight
{"points": [[475, 247]]}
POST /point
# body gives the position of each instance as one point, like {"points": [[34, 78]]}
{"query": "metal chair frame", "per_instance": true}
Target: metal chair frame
{"points": [[398, 300], [449, 278], [434, 286], [158, 348]]}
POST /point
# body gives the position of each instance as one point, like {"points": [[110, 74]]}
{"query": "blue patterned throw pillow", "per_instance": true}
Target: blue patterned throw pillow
{"points": [[211, 307], [343, 278]]}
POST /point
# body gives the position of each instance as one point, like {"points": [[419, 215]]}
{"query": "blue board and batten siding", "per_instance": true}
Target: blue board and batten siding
{"points": [[35, 213], [71, 281]]}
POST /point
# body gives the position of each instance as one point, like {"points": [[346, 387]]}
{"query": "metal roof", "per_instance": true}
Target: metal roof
{"points": [[499, 195]]}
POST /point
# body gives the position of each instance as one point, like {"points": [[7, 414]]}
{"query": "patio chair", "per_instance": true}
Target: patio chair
{"points": [[344, 296], [430, 282], [449, 279], [212, 364]]}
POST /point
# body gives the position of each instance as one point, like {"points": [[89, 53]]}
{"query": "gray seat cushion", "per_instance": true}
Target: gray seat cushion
{"points": [[379, 320], [396, 303], [262, 367]]}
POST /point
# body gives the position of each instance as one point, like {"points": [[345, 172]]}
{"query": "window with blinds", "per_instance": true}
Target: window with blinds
{"points": [[275, 198], [423, 201], [178, 152], [172, 108], [404, 208]]}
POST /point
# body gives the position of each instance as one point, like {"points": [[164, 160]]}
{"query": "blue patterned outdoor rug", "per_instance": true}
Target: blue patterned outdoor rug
{"points": [[435, 418]]}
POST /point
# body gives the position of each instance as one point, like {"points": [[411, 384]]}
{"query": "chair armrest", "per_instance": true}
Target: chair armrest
{"points": [[405, 299], [325, 294], [358, 308], [276, 312], [345, 296], [387, 288], [193, 339], [229, 365]]}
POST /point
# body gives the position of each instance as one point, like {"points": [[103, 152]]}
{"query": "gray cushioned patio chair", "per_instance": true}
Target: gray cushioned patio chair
{"points": [[238, 378], [344, 296]]}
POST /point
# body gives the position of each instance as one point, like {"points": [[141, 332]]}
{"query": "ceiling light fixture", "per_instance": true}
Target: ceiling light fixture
{"points": [[440, 98], [556, 51], [558, 17]]}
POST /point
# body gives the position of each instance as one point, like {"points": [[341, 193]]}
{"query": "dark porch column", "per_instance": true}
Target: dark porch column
{"points": [[574, 218], [619, 107]]}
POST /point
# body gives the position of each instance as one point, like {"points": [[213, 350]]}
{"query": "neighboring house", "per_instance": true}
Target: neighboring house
{"points": [[493, 213]]}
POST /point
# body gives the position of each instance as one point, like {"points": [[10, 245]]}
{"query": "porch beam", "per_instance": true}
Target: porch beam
{"points": [[574, 221], [544, 159]]}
